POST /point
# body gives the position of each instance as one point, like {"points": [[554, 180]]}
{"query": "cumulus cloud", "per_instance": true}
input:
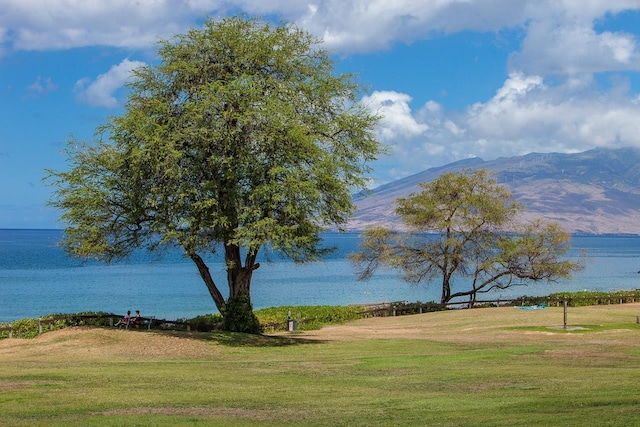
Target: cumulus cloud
{"points": [[565, 117], [101, 91], [64, 24], [357, 26], [397, 123], [554, 49], [559, 36], [525, 115], [345, 25]]}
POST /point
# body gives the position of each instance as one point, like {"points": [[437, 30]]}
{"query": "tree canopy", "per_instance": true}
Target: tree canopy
{"points": [[242, 137], [464, 231]]}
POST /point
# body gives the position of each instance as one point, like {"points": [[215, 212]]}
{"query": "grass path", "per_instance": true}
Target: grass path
{"points": [[484, 367]]}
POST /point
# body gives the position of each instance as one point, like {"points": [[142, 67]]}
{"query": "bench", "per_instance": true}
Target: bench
{"points": [[79, 319], [142, 321]]}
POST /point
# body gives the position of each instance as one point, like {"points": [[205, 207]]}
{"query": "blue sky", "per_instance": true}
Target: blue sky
{"points": [[453, 79]]}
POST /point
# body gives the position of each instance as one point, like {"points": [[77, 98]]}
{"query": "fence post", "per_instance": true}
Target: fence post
{"points": [[39, 326], [565, 313]]}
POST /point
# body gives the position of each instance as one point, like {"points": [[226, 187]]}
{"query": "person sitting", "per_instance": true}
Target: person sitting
{"points": [[125, 320], [138, 319]]}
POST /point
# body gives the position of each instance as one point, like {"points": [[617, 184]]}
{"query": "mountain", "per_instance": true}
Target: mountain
{"points": [[594, 192]]}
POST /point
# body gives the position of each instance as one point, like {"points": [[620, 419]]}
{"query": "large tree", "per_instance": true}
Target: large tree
{"points": [[242, 137], [464, 231]]}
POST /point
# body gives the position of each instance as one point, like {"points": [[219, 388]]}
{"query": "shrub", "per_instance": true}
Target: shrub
{"points": [[239, 316], [25, 328], [309, 317], [205, 323]]}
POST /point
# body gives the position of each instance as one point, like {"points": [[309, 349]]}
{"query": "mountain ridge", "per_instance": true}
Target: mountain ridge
{"points": [[592, 192]]}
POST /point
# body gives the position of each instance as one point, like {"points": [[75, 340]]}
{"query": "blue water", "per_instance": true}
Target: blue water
{"points": [[38, 278]]}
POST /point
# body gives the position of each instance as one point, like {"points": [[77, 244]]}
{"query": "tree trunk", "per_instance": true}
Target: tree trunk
{"points": [[446, 290], [237, 310], [445, 296], [238, 315], [208, 280]]}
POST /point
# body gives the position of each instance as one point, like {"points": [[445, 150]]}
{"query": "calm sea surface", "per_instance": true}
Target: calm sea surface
{"points": [[37, 278]]}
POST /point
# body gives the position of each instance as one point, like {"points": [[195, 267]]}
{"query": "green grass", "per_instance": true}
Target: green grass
{"points": [[484, 367]]}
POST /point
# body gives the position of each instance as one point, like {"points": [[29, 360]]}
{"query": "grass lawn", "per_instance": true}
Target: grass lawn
{"points": [[482, 367]]}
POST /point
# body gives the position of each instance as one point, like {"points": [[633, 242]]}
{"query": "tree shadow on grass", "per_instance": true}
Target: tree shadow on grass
{"points": [[237, 339]]}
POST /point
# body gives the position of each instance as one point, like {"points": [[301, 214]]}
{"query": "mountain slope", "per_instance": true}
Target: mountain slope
{"points": [[594, 192]]}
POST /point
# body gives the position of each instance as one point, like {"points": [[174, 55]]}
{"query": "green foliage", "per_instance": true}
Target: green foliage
{"points": [[240, 137], [418, 307], [309, 317], [25, 328], [477, 238], [85, 318], [205, 323], [239, 316], [583, 298], [28, 328]]}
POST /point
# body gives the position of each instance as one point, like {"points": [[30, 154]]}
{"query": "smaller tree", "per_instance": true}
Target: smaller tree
{"points": [[464, 230]]}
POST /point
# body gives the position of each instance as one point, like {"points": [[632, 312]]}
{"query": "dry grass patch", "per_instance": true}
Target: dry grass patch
{"points": [[503, 324], [101, 343]]}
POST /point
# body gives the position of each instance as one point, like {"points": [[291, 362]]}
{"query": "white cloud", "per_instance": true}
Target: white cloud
{"points": [[359, 26], [41, 87], [397, 123], [525, 115], [346, 25], [101, 91], [560, 117], [64, 24], [562, 49], [559, 35]]}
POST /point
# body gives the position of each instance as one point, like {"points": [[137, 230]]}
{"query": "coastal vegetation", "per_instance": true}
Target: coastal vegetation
{"points": [[464, 225], [241, 138], [309, 318], [478, 367]]}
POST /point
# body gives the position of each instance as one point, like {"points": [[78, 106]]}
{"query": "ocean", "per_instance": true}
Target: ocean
{"points": [[37, 278]]}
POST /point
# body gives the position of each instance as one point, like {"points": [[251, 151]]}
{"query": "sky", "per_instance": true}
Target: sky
{"points": [[452, 79]]}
